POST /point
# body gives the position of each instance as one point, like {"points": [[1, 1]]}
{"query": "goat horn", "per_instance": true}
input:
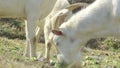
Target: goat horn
{"points": [[77, 5]]}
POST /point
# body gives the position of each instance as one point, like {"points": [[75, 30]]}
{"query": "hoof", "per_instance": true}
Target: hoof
{"points": [[26, 55], [43, 59]]}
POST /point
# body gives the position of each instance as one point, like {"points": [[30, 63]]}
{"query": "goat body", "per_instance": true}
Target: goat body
{"points": [[30, 10], [100, 19]]}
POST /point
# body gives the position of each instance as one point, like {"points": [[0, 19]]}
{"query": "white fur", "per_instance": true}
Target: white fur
{"points": [[58, 15], [30, 10], [100, 19]]}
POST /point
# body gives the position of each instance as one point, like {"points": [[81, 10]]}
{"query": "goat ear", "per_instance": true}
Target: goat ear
{"points": [[57, 32]]}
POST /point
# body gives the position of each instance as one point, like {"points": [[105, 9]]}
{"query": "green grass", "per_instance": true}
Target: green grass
{"points": [[11, 56], [12, 29], [102, 59]]}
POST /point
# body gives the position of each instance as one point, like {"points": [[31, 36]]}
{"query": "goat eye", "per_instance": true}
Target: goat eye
{"points": [[56, 43], [71, 40]]}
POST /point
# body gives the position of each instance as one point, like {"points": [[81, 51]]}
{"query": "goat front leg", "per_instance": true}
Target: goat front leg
{"points": [[31, 37], [47, 41]]}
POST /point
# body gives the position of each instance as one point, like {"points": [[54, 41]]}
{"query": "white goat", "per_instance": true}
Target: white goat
{"points": [[100, 19], [58, 15], [30, 10]]}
